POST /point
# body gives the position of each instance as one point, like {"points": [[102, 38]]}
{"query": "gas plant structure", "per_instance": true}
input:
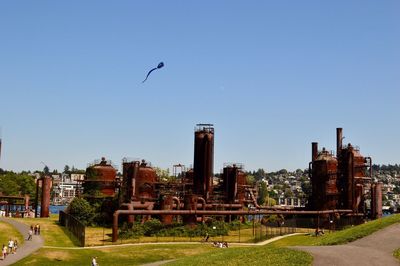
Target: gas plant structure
{"points": [[339, 187], [343, 181]]}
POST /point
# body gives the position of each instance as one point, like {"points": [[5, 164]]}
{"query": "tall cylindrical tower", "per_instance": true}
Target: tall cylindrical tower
{"points": [[45, 201], [203, 164]]}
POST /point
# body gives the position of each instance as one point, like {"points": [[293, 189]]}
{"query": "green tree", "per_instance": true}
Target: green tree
{"points": [[13, 184], [163, 174], [269, 201], [66, 169], [262, 193], [81, 210], [250, 179], [46, 170]]}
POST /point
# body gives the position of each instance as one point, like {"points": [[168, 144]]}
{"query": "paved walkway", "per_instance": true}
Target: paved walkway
{"points": [[375, 249], [25, 249]]}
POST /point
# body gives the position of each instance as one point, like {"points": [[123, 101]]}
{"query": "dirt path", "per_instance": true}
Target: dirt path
{"points": [[25, 249], [375, 249]]}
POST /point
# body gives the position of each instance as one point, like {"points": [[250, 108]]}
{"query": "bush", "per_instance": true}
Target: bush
{"points": [[81, 210], [131, 231], [152, 227]]}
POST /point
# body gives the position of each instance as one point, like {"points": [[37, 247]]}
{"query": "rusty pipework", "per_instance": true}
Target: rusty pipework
{"points": [[209, 212], [129, 173], [339, 140], [314, 151], [178, 202], [339, 182]]}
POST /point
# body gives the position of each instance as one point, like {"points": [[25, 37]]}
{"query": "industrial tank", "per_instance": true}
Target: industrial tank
{"points": [[100, 178], [229, 177], [145, 182], [324, 181], [203, 160], [353, 170], [234, 182]]}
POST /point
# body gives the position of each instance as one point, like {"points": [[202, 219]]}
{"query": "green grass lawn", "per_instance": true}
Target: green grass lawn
{"points": [[53, 234], [130, 255], [339, 237], [7, 231], [396, 253], [260, 255], [191, 254]]}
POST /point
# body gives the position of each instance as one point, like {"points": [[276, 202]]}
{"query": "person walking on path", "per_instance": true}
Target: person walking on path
{"points": [[4, 252], [15, 246], [10, 246], [24, 249], [30, 233], [94, 261]]}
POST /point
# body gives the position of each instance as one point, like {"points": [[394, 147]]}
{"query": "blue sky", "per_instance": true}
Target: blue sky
{"points": [[272, 76]]}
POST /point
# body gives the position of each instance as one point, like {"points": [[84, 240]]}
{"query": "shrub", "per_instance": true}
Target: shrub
{"points": [[81, 210], [152, 227]]}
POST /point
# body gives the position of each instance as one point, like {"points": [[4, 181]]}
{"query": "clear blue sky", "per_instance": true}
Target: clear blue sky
{"points": [[272, 76]]}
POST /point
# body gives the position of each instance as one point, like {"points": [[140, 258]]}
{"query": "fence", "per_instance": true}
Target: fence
{"points": [[74, 226], [251, 232]]}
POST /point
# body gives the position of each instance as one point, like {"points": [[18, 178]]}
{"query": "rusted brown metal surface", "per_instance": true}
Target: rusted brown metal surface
{"points": [[129, 175], [203, 164], [229, 177], [323, 179], [339, 182], [314, 151], [100, 177], [145, 180], [376, 200], [234, 182], [45, 198]]}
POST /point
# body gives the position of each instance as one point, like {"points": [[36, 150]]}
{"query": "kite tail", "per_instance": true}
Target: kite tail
{"points": [[149, 74]]}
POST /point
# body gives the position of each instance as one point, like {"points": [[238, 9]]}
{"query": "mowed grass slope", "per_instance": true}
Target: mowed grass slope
{"points": [[124, 255], [53, 234], [193, 254], [339, 237], [258, 255], [7, 231]]}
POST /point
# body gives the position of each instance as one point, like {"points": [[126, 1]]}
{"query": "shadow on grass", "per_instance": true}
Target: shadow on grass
{"points": [[69, 234]]}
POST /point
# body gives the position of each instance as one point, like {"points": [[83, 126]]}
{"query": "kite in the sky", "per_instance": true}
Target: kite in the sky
{"points": [[160, 65]]}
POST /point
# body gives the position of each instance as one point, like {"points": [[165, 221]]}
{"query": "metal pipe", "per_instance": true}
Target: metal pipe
{"points": [[339, 140], [37, 197], [239, 212], [370, 165], [314, 151], [178, 202]]}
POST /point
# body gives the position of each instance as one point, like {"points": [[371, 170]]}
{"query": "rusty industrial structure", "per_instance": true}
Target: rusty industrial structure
{"points": [[340, 185], [43, 187], [343, 181]]}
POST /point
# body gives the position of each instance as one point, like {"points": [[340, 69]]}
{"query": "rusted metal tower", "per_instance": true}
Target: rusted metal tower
{"points": [[203, 164]]}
